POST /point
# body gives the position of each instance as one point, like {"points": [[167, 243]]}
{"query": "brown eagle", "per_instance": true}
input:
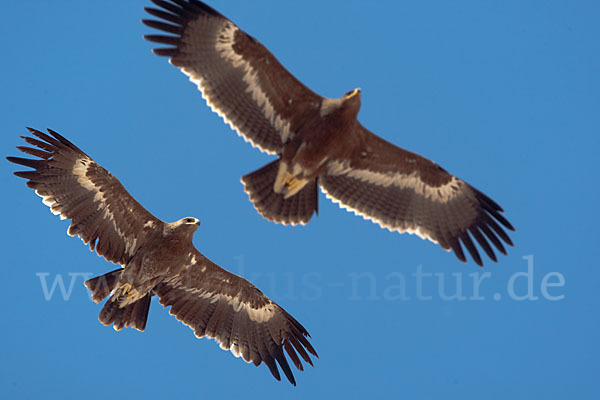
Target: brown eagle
{"points": [[319, 141], [158, 258]]}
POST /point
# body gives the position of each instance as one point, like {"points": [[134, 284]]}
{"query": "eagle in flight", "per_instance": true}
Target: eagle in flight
{"points": [[319, 141], [157, 258]]}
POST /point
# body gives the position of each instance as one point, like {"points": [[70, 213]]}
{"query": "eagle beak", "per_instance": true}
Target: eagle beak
{"points": [[353, 93]]}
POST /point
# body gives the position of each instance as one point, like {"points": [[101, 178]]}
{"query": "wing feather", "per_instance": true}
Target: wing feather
{"points": [[229, 309], [238, 77], [101, 211], [476, 233], [404, 192], [292, 354], [263, 342]]}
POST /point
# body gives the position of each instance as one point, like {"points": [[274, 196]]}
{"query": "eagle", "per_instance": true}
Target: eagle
{"points": [[157, 258], [319, 141]]}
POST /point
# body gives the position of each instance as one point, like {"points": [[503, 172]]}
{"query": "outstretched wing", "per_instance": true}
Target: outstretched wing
{"points": [[239, 78], [223, 306], [404, 192], [102, 212]]}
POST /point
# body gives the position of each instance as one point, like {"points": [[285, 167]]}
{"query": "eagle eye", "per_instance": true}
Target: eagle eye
{"points": [[190, 220]]}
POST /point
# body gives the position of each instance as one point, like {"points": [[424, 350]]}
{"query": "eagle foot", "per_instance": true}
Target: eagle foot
{"points": [[126, 288], [131, 294], [293, 186]]}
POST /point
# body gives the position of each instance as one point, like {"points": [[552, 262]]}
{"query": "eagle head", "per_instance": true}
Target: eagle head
{"points": [[189, 223], [352, 93], [351, 102]]}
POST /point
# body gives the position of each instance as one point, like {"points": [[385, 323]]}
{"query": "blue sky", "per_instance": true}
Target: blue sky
{"points": [[506, 95]]}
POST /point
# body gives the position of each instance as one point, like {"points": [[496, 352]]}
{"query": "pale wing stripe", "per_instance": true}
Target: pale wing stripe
{"points": [[442, 194], [223, 47], [80, 170]]}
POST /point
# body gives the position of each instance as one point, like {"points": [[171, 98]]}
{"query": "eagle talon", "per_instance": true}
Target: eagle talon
{"points": [[132, 296], [129, 293], [126, 288], [291, 183], [293, 186], [287, 184]]}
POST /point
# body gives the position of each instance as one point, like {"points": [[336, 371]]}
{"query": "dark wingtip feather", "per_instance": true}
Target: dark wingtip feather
{"points": [[61, 138], [302, 334], [26, 174], [181, 11], [476, 233], [493, 208], [294, 341], [54, 141], [35, 152], [166, 52], [283, 363], [38, 143], [173, 8], [27, 162], [499, 231], [309, 347], [492, 236], [198, 7], [458, 251], [43, 136], [163, 39], [468, 242], [270, 362], [293, 356], [163, 26], [486, 199], [173, 18], [504, 222]]}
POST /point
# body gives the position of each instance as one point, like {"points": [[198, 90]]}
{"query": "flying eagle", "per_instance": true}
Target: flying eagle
{"points": [[319, 141], [158, 258]]}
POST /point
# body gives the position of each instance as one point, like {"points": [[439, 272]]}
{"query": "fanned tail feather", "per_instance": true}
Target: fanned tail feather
{"points": [[297, 209], [102, 285], [133, 315]]}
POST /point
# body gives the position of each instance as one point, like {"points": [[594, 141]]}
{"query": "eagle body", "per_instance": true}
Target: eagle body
{"points": [[157, 258], [167, 251], [318, 141], [306, 154]]}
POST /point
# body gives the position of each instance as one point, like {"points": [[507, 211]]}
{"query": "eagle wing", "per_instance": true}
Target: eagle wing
{"points": [[75, 187], [223, 306], [404, 192], [239, 78]]}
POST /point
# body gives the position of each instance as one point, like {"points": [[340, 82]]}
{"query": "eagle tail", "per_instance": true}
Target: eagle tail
{"points": [[297, 209], [102, 285], [134, 315]]}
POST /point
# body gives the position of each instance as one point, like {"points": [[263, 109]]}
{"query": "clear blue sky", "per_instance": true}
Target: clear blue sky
{"points": [[506, 95]]}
